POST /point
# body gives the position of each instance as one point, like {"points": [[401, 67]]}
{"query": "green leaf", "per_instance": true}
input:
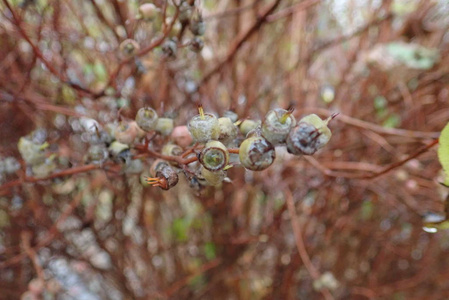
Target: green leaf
{"points": [[413, 56], [443, 152], [209, 250], [367, 210], [392, 121], [380, 103], [100, 71], [180, 229]]}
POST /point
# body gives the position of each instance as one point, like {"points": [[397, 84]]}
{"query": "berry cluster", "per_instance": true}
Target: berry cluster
{"points": [[189, 16], [217, 140], [203, 150]]}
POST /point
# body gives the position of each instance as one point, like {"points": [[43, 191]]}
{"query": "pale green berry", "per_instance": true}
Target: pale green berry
{"points": [[256, 153], [277, 125], [148, 11], [44, 169], [129, 48], [97, 153], [126, 132], [31, 152], [143, 179], [255, 132], [119, 151], [28, 296], [147, 118], [248, 125], [214, 156], [197, 26], [36, 286], [165, 126], [185, 12], [109, 129], [203, 128], [11, 165], [228, 130], [211, 178], [231, 115], [172, 150], [133, 166]]}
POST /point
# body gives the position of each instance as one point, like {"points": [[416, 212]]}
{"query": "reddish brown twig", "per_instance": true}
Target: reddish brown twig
{"points": [[181, 283], [400, 163], [239, 41], [51, 233], [300, 242], [67, 172], [234, 150], [38, 53], [26, 244]]}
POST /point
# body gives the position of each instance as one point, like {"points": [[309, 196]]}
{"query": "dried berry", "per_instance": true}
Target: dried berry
{"points": [[310, 135], [164, 176], [256, 153], [165, 126], [196, 44]]}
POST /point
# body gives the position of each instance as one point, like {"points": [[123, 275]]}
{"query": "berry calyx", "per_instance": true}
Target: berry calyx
{"points": [[147, 118], [277, 124], [214, 156], [203, 127]]}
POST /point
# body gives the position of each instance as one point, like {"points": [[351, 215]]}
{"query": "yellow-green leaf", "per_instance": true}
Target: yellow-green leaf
{"points": [[443, 152]]}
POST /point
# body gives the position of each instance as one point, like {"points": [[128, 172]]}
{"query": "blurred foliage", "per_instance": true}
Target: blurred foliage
{"points": [[92, 231], [443, 152]]}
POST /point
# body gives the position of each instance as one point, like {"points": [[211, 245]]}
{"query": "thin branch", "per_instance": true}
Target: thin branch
{"points": [[183, 282], [370, 126], [26, 244], [239, 41], [67, 172], [39, 54], [49, 237], [231, 12], [400, 163], [292, 9], [300, 243]]}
